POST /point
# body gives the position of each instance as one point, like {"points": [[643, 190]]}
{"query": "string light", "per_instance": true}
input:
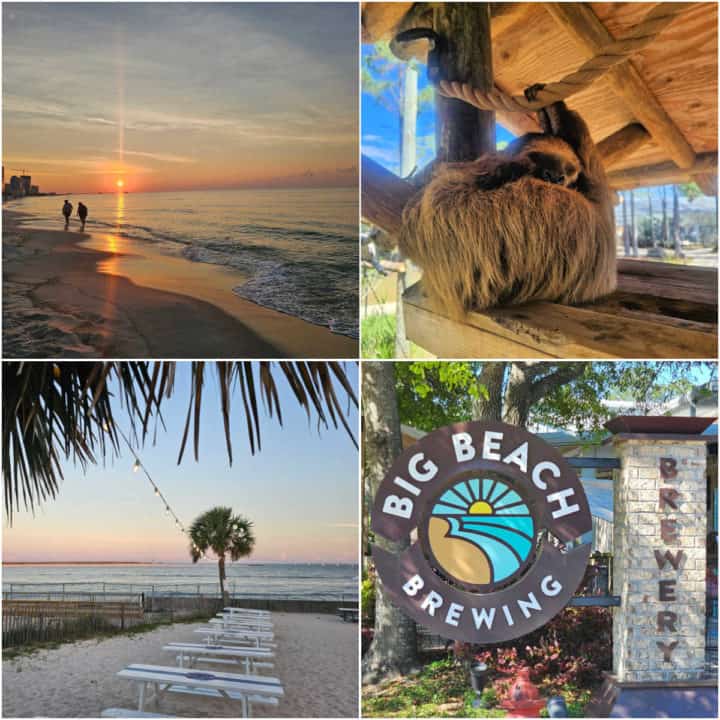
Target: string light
{"points": [[136, 467]]}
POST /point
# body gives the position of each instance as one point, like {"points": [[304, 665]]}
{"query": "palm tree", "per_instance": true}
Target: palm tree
{"points": [[67, 410], [223, 533]]}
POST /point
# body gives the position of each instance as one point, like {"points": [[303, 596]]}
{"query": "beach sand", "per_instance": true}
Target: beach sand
{"points": [[67, 294], [316, 660]]}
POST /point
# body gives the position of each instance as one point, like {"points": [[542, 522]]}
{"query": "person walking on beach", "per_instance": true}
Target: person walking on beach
{"points": [[67, 212], [82, 214]]}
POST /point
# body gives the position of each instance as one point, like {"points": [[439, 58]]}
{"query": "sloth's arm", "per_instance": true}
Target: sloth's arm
{"points": [[570, 127], [499, 173]]}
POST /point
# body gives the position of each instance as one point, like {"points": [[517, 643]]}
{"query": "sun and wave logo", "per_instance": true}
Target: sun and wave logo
{"points": [[481, 531]]}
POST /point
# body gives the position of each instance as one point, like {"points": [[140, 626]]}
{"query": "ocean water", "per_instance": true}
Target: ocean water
{"points": [[271, 580], [298, 249]]}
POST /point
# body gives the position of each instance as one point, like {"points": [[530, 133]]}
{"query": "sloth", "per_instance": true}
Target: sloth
{"points": [[535, 155], [532, 222]]}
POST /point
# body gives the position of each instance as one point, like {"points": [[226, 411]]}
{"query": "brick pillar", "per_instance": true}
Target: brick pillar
{"points": [[659, 506]]}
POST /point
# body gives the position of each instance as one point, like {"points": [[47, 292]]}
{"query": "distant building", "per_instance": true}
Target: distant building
{"points": [[16, 189], [25, 181], [34, 190]]}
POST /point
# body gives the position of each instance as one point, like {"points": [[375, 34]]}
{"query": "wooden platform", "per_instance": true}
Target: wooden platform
{"points": [[647, 317]]}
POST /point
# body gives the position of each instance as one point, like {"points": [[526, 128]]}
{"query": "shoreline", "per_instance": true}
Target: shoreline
{"points": [[82, 295]]}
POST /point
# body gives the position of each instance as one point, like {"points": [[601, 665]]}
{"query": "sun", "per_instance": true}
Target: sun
{"points": [[480, 507], [120, 183]]}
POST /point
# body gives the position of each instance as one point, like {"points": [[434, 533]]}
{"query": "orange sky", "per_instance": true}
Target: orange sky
{"points": [[180, 96]]}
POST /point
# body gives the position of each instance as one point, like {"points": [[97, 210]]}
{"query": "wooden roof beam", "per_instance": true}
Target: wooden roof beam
{"points": [[663, 174], [616, 147], [708, 183], [581, 23]]}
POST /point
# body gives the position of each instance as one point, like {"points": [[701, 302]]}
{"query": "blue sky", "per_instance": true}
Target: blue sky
{"points": [[301, 491]]}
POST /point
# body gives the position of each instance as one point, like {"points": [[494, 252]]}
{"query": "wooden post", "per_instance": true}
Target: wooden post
{"points": [[462, 131]]}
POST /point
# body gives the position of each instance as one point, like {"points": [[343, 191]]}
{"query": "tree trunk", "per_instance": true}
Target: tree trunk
{"points": [[676, 223], [652, 227], [529, 382], [626, 233], [664, 219], [408, 150], [221, 572], [393, 650], [492, 376], [462, 131]]}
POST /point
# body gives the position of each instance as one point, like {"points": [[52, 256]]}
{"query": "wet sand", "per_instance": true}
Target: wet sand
{"points": [[68, 294], [316, 660]]}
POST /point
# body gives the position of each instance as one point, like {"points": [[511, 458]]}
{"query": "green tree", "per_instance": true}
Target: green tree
{"points": [[223, 533], [547, 393], [690, 191], [69, 410]]}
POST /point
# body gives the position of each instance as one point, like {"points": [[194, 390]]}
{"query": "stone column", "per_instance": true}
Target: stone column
{"points": [[659, 559]]}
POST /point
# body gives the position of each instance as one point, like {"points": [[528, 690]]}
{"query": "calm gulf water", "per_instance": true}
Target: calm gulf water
{"points": [[298, 248], [272, 580]]}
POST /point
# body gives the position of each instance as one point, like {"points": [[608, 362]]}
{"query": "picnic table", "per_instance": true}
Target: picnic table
{"points": [[193, 652], [248, 611], [255, 637], [245, 689], [245, 624]]}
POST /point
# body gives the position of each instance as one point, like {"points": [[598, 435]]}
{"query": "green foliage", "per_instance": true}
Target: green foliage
{"points": [[378, 336], [691, 191], [646, 384], [441, 689], [367, 601], [433, 394], [223, 533]]}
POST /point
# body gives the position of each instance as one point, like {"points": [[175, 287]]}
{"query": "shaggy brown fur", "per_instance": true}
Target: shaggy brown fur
{"points": [[490, 232]]}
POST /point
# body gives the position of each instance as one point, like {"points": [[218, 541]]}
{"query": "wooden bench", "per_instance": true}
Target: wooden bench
{"points": [[348, 614], [658, 311]]}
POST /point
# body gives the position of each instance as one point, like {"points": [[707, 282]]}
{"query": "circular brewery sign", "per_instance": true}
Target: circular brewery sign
{"points": [[500, 532]]}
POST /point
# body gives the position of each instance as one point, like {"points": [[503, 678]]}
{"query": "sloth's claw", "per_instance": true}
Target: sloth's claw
{"points": [[532, 91]]}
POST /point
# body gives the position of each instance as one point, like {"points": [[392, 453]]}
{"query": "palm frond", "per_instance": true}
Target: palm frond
{"points": [[69, 410]]}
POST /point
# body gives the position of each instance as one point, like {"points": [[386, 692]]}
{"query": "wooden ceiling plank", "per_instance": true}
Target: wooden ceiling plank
{"points": [[707, 182], [579, 20], [616, 147]]}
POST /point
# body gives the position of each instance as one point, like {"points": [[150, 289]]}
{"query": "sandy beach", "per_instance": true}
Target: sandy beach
{"points": [[316, 660], [68, 294]]}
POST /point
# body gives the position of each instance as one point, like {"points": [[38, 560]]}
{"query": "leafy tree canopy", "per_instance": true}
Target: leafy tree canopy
{"points": [[433, 394]]}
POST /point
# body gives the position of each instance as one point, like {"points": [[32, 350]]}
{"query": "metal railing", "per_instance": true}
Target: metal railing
{"points": [[104, 592]]}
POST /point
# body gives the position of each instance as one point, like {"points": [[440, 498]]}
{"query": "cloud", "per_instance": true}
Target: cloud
{"points": [[161, 157]]}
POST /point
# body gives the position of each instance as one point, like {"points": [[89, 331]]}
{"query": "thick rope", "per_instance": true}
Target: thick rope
{"points": [[612, 54]]}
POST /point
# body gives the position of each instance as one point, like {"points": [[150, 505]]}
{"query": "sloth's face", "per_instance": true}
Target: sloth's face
{"points": [[556, 168]]}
